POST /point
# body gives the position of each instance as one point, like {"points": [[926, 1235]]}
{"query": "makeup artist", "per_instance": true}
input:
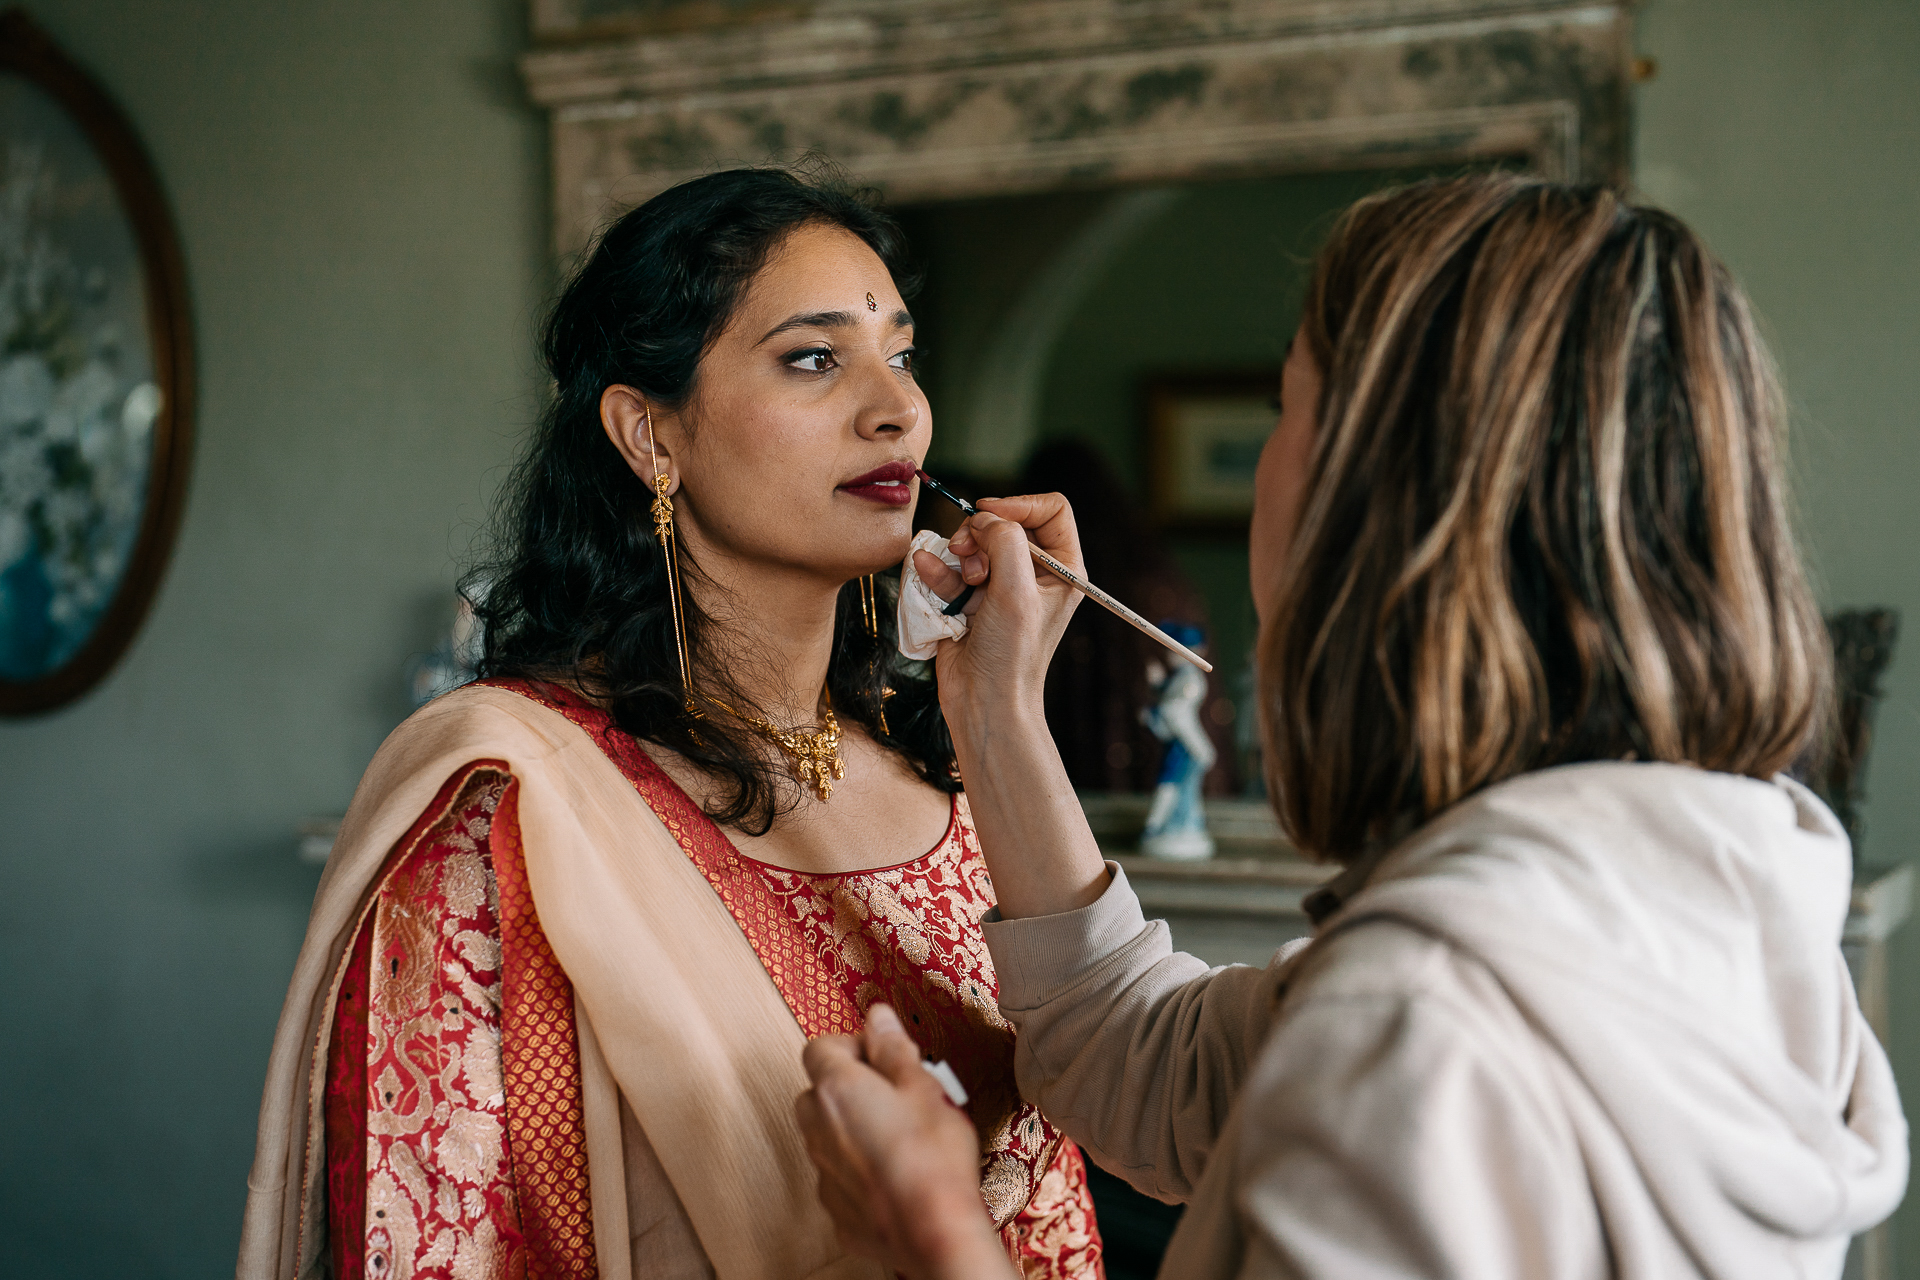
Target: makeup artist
{"points": [[1535, 646]]}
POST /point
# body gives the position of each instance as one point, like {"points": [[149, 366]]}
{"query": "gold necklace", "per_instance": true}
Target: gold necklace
{"points": [[812, 758]]}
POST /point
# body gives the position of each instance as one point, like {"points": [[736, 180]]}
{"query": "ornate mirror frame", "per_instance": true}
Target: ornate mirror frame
{"points": [[949, 99]]}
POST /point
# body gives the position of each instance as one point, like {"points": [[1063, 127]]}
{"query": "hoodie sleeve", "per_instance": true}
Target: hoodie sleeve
{"points": [[1385, 1133], [1135, 1050]]}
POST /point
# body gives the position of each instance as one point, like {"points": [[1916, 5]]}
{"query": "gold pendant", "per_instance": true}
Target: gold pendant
{"points": [[814, 758]]}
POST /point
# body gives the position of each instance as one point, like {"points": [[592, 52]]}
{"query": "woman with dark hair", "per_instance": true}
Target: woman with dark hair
{"points": [[583, 913], [1535, 647]]}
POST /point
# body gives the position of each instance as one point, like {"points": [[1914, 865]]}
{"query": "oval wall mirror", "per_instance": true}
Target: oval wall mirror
{"points": [[96, 377]]}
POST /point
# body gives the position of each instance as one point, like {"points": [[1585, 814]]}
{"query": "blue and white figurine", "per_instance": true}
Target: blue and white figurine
{"points": [[1177, 820]]}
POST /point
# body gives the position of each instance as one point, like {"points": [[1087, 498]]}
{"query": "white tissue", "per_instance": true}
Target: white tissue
{"points": [[922, 624]]}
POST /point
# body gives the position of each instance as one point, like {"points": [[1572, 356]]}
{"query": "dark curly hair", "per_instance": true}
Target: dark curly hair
{"points": [[576, 590]]}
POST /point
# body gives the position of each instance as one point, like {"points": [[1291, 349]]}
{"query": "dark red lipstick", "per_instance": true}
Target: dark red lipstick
{"points": [[891, 485]]}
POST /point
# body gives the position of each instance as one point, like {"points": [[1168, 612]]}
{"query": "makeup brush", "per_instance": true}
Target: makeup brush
{"points": [[1079, 583]]}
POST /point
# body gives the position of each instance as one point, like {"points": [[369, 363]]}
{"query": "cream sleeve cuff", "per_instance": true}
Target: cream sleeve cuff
{"points": [[1040, 957]]}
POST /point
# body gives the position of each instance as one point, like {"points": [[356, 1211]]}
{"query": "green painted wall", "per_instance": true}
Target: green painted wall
{"points": [[360, 191], [1788, 134]]}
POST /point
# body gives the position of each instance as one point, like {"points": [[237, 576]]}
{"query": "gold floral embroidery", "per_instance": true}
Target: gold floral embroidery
{"points": [[440, 1196], [1056, 1236], [909, 935]]}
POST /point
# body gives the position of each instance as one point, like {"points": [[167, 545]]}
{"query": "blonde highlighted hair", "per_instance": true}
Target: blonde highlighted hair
{"points": [[1547, 518]]}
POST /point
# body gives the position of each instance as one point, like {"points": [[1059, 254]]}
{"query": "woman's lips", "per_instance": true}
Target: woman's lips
{"points": [[891, 485], [894, 493]]}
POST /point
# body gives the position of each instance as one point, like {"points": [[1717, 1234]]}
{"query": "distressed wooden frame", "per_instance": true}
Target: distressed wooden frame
{"points": [[947, 99]]}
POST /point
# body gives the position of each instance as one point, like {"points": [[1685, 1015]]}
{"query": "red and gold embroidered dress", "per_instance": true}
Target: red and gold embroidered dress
{"points": [[452, 1097]]}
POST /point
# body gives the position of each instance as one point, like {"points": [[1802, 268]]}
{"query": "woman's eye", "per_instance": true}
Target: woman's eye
{"points": [[817, 360], [906, 361]]}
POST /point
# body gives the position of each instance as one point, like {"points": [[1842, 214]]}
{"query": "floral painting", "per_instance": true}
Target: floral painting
{"points": [[78, 392]]}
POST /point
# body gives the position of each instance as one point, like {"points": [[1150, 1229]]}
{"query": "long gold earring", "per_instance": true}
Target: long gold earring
{"points": [[870, 611], [663, 533]]}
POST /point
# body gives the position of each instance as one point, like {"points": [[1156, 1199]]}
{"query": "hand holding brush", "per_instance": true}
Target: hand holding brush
{"points": [[933, 571]]}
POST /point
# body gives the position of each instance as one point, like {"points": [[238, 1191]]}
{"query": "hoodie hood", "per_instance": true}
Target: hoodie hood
{"points": [[1673, 936]]}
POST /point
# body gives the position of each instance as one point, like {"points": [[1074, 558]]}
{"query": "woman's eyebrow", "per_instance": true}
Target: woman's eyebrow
{"points": [[811, 320], [829, 320]]}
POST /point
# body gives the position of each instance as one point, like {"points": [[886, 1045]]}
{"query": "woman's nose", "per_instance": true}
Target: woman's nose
{"points": [[891, 407]]}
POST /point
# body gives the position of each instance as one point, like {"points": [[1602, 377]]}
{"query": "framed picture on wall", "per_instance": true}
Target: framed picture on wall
{"points": [[1204, 436], [96, 377]]}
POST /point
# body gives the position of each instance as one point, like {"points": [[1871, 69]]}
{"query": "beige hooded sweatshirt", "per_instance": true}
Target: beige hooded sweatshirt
{"points": [[1592, 1022]]}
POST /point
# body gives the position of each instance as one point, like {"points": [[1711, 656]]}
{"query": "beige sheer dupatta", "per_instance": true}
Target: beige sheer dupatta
{"points": [[677, 1014]]}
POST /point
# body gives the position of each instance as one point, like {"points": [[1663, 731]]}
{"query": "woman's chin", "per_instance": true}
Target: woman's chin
{"points": [[880, 554], [870, 531]]}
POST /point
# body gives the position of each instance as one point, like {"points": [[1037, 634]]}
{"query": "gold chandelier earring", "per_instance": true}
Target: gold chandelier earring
{"points": [[870, 612], [812, 758], [663, 533]]}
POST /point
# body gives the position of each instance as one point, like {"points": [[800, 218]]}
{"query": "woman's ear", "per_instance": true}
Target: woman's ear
{"points": [[640, 434]]}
